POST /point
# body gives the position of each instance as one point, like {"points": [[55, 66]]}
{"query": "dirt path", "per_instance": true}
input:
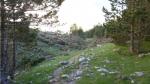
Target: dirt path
{"points": [[72, 77]]}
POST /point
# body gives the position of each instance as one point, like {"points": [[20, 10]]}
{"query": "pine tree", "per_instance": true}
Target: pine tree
{"points": [[12, 10]]}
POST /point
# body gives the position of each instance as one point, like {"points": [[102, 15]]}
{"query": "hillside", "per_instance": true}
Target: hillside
{"points": [[104, 64]]}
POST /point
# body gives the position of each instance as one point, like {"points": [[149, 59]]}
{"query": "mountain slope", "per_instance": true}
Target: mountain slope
{"points": [[104, 64]]}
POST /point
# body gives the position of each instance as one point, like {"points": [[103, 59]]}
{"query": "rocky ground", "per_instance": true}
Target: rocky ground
{"points": [[82, 62], [104, 64], [58, 78]]}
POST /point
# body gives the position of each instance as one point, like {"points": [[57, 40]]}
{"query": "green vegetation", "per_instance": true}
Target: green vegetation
{"points": [[40, 74], [117, 51], [121, 60]]}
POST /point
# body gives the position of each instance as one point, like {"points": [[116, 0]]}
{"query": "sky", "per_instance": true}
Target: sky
{"points": [[84, 13]]}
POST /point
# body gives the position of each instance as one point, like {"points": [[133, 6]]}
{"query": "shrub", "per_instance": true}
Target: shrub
{"points": [[30, 61]]}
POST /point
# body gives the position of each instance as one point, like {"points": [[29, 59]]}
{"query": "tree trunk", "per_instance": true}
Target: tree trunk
{"points": [[4, 47], [132, 40], [14, 48]]}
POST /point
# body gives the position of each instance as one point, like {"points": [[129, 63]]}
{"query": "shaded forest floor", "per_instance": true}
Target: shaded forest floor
{"points": [[104, 64]]}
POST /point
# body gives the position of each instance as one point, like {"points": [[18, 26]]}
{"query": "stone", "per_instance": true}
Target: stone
{"points": [[91, 49], [107, 61], [31, 82], [104, 65], [125, 78], [77, 78], [132, 81], [103, 70], [84, 63], [139, 74], [116, 50], [38, 73], [103, 74], [8, 77], [65, 76], [64, 63], [16, 73], [114, 72], [82, 59], [141, 55], [96, 67], [98, 45], [78, 73], [89, 75], [50, 77], [88, 59], [52, 81]]}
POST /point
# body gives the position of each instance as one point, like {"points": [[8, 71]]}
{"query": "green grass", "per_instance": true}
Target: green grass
{"points": [[146, 46], [121, 59], [45, 69]]}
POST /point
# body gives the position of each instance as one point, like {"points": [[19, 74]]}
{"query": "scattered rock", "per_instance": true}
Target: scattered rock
{"points": [[125, 78], [78, 73], [116, 50], [90, 74], [104, 65], [16, 73], [103, 70], [96, 67], [91, 49], [107, 61], [38, 74], [77, 78], [52, 81], [31, 82], [50, 77], [132, 81], [114, 72], [141, 55], [139, 74], [49, 57], [64, 63], [98, 45], [8, 77], [103, 74], [84, 63], [82, 59], [65, 76]]}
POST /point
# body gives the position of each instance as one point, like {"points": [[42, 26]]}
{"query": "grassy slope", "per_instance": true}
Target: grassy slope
{"points": [[40, 73], [121, 61]]}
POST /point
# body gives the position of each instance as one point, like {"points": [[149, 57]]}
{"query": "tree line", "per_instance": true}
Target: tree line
{"points": [[128, 22]]}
